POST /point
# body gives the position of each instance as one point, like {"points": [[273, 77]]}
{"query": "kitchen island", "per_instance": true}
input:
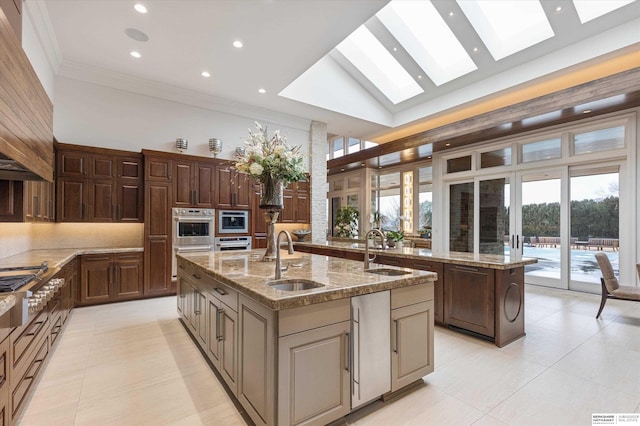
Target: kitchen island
{"points": [[478, 293], [338, 338]]}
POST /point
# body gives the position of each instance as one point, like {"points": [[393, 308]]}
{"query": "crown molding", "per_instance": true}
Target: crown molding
{"points": [[39, 16], [155, 89]]}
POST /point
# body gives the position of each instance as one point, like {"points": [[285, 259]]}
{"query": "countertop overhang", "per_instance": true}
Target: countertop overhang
{"points": [[341, 278], [57, 258], [492, 261]]}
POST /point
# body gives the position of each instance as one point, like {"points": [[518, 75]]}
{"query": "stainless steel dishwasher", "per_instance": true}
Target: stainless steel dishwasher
{"points": [[371, 331]]}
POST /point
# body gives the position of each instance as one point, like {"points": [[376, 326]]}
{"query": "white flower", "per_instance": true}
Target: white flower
{"points": [[255, 169], [280, 149]]}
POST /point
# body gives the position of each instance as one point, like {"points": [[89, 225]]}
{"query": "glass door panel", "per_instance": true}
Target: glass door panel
{"points": [[461, 216], [594, 224], [540, 227], [493, 217]]}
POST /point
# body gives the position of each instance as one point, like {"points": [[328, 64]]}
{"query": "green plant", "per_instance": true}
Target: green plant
{"points": [[346, 224], [395, 235]]}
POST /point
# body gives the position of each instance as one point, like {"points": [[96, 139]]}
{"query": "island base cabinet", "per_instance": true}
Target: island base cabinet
{"points": [[222, 326], [411, 348], [509, 305], [314, 376], [469, 298], [256, 361]]}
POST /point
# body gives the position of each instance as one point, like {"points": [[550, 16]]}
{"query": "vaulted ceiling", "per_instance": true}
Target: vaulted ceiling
{"points": [[290, 51]]}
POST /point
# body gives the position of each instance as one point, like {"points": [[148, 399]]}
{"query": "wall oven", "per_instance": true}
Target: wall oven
{"points": [[192, 230], [233, 222], [232, 243]]}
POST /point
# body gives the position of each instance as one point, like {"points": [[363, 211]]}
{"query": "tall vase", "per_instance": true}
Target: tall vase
{"points": [[271, 196]]}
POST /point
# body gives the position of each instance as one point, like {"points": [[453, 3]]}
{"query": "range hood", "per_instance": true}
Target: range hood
{"points": [[12, 170]]}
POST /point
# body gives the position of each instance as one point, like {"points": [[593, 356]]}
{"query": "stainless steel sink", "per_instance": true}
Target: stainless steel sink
{"points": [[294, 284], [386, 271]]}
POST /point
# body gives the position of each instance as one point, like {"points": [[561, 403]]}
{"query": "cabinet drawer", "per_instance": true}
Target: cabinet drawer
{"points": [[222, 292], [313, 316], [411, 295], [26, 335], [25, 383]]}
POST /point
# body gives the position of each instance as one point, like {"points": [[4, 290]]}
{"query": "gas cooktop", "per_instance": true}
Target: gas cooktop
{"points": [[15, 277]]}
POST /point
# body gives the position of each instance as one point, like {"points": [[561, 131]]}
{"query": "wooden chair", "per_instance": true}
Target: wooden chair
{"points": [[610, 287]]}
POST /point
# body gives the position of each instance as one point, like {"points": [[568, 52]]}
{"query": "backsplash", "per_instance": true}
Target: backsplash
{"points": [[18, 237]]}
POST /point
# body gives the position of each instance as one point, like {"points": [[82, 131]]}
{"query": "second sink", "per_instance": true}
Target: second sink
{"points": [[294, 284], [386, 271]]}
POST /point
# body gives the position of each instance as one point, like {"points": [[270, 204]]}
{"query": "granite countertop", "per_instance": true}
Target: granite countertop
{"points": [[341, 278], [7, 301], [456, 258], [57, 258]]}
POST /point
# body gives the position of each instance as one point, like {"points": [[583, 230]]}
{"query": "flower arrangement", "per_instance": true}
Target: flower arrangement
{"points": [[346, 222], [268, 158]]}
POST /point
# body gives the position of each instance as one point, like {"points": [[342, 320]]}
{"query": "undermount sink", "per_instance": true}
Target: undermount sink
{"points": [[387, 271], [294, 284]]}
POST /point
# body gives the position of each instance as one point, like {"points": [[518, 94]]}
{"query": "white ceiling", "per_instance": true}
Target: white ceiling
{"points": [[292, 41]]}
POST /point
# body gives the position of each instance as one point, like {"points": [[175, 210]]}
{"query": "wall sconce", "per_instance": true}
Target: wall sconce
{"points": [[240, 151], [182, 144], [215, 146]]}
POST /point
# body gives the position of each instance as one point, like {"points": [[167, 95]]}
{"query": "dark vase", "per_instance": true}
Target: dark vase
{"points": [[271, 196]]}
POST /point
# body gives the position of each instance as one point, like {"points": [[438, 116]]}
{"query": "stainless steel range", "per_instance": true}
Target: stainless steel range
{"points": [[33, 287]]}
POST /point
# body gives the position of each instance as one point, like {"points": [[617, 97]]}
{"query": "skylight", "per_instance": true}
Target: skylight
{"points": [[426, 37], [507, 27], [371, 58], [592, 9]]}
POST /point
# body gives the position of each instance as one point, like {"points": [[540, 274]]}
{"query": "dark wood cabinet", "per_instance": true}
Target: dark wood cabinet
{"points": [[157, 239], [438, 268], [110, 277], [469, 299], [4, 382], [258, 222], [98, 185], [509, 295], [27, 201], [234, 188], [194, 184], [296, 203]]}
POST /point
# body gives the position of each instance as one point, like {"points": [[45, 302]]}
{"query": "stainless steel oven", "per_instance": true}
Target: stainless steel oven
{"points": [[192, 230], [233, 222]]}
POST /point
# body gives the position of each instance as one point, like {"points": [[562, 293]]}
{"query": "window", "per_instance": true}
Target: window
{"points": [[460, 164], [599, 140], [500, 157], [425, 197], [338, 148], [354, 145], [542, 150]]}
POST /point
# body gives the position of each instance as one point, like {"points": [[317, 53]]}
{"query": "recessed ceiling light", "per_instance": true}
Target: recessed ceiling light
{"points": [[262, 90], [205, 74], [475, 49], [237, 44], [586, 111], [135, 54], [395, 49], [450, 13], [558, 9], [139, 7], [447, 144], [419, 76]]}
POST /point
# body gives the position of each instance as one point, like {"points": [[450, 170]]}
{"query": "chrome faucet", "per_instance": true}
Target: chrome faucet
{"points": [[366, 246], [278, 261]]}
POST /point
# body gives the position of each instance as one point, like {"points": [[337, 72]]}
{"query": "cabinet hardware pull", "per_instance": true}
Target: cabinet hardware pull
{"points": [[196, 276], [196, 303], [395, 337], [347, 352], [180, 265], [218, 310], [221, 322], [466, 268], [220, 291]]}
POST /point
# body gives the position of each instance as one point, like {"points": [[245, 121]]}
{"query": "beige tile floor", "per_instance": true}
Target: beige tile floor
{"points": [[133, 364]]}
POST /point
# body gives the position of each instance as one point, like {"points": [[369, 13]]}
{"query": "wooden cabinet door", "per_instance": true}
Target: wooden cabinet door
{"points": [[72, 200], [183, 181], [96, 272], [213, 334], [204, 185], [509, 305], [103, 166], [256, 361], [157, 168], [242, 190], [303, 207], [157, 246], [4, 382], [229, 347], [72, 164], [180, 295], [287, 214], [129, 203], [224, 182], [128, 276], [200, 317], [313, 375], [102, 199], [411, 344], [129, 168], [469, 298]]}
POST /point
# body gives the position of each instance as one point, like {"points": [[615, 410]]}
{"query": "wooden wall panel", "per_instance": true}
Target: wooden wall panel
{"points": [[26, 112]]}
